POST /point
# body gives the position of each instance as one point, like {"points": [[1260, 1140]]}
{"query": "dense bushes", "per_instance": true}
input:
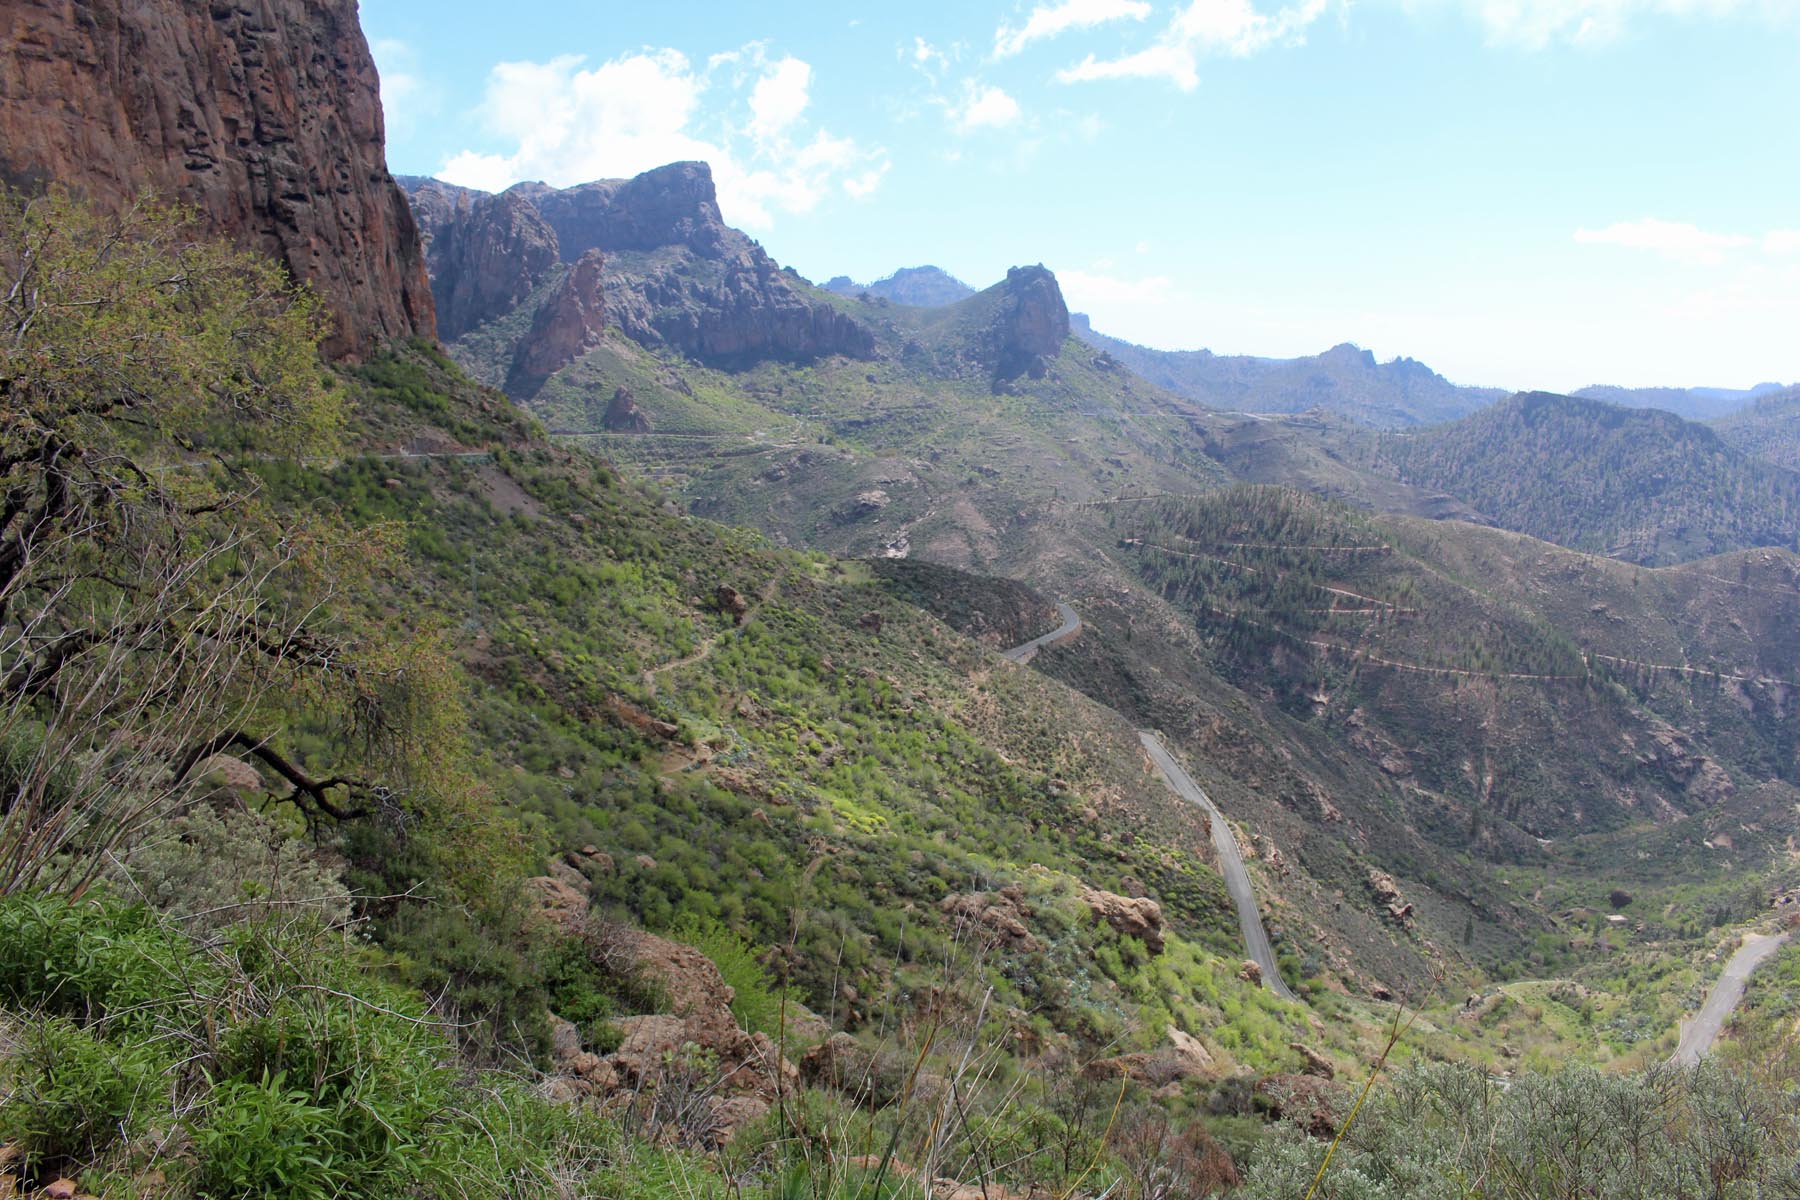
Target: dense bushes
{"points": [[287, 1066]]}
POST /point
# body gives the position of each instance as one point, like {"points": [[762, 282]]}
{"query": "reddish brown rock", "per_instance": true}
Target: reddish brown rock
{"points": [[708, 292], [623, 414], [1140, 917], [997, 918], [567, 325], [265, 115], [488, 258]]}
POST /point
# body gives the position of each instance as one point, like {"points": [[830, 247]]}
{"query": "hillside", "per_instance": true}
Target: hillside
{"points": [[1636, 484], [582, 759], [1768, 430], [1344, 381]]}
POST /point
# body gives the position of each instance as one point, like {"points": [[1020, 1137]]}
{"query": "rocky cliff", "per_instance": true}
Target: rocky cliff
{"points": [[265, 115], [676, 274], [567, 324], [1029, 326], [488, 258], [674, 205]]}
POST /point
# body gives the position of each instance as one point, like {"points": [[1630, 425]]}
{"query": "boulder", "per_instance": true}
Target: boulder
{"points": [[997, 917], [1138, 917]]}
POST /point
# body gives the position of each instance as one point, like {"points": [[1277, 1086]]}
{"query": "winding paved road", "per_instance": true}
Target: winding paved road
{"points": [[1698, 1035], [1071, 625], [1231, 863]]}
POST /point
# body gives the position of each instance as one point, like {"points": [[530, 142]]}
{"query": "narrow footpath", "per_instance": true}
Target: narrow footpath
{"points": [[1698, 1035]]}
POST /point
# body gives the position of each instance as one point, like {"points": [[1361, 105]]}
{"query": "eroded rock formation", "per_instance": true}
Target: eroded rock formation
{"points": [[567, 325], [488, 258]]}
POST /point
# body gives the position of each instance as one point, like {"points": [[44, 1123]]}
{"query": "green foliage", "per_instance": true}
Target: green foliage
{"points": [[756, 1002], [1447, 1131], [265, 1140], [283, 1052], [72, 1094], [219, 868]]}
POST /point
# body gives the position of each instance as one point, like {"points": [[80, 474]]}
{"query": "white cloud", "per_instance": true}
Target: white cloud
{"points": [[1237, 28], [779, 98], [1534, 24], [1678, 241], [406, 98], [1048, 20], [565, 123], [1781, 241], [984, 106]]}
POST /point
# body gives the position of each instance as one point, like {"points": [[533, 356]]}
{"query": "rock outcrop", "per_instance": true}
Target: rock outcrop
{"points": [[264, 115], [998, 918], [489, 256], [1138, 917], [1030, 327], [675, 205], [566, 326], [676, 275], [623, 414]]}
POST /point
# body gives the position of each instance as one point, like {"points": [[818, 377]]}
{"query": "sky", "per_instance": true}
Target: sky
{"points": [[1519, 193]]}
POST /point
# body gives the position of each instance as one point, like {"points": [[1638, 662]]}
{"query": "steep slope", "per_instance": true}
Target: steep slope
{"points": [[264, 115], [1768, 430], [1636, 484], [1344, 381], [918, 287]]}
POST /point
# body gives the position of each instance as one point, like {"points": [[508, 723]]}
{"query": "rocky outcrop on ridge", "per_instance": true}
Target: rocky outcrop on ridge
{"points": [[1030, 326], [567, 325], [264, 115], [489, 256], [676, 275]]}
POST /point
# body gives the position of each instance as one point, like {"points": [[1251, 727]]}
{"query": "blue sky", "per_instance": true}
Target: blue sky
{"points": [[1521, 193]]}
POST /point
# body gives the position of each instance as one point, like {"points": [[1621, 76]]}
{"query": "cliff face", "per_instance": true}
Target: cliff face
{"points": [[674, 205], [263, 114], [1031, 325], [676, 274], [487, 259], [567, 325]]}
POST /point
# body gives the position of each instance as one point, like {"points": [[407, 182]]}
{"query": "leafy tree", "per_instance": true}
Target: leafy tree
{"points": [[154, 610]]}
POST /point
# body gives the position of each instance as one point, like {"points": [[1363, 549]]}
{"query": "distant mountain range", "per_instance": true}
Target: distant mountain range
{"points": [[1344, 380], [920, 287], [1768, 429], [1696, 404], [1632, 483]]}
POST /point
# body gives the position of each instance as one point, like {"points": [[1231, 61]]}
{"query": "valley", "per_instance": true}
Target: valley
{"points": [[517, 693]]}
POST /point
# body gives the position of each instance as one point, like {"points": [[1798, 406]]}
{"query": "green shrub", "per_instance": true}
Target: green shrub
{"points": [[91, 960], [756, 1003], [266, 1139], [73, 1095], [218, 869]]}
